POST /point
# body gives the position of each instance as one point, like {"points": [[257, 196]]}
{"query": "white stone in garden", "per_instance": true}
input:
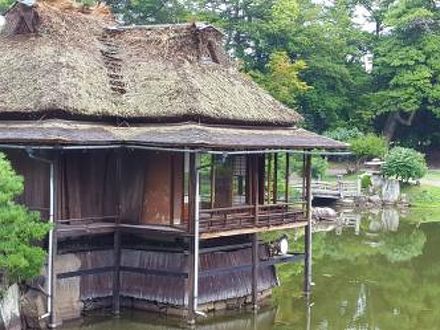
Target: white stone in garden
{"points": [[10, 308], [391, 191]]}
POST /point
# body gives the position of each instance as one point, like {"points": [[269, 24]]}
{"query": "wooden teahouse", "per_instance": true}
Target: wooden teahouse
{"points": [[156, 160]]}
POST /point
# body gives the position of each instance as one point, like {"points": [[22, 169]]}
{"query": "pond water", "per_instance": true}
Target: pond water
{"points": [[379, 274]]}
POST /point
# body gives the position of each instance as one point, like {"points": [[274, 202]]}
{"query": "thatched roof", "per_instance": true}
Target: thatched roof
{"points": [[60, 60], [193, 135]]}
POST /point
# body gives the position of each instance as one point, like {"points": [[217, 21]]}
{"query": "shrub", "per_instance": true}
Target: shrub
{"points": [[344, 134], [404, 164], [368, 146], [366, 181], [20, 228]]}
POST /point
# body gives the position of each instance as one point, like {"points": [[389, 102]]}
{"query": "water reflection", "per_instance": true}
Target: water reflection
{"points": [[372, 271], [379, 274], [264, 319]]}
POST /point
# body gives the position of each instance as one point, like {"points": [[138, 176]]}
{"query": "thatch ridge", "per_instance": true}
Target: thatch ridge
{"points": [[80, 63]]}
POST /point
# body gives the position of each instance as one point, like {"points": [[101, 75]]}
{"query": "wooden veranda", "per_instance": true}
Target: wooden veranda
{"points": [[261, 208]]}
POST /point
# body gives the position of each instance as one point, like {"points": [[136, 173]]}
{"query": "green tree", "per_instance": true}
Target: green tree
{"points": [[282, 79], [406, 65], [149, 11], [20, 259]]}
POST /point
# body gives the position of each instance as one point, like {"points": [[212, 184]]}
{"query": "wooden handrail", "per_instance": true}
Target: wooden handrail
{"points": [[106, 217], [226, 209]]}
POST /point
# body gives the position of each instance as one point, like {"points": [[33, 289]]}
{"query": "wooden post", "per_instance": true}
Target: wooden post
{"points": [[308, 228], [275, 179], [269, 176], [340, 187], [54, 322], [286, 192], [304, 193], [255, 262], [189, 288], [255, 187], [117, 239], [213, 168], [116, 271], [193, 257], [55, 173]]}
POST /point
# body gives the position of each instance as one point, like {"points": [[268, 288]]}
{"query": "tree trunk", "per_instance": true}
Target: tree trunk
{"points": [[390, 127], [393, 120]]}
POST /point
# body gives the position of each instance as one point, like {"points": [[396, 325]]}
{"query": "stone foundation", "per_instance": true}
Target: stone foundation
{"points": [[10, 308], [177, 311]]}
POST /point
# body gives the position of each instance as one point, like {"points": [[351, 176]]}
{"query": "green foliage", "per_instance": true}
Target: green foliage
{"points": [[403, 246], [20, 259], [150, 11], [343, 134], [282, 78], [366, 181], [4, 4], [368, 146], [404, 164], [406, 66], [319, 166]]}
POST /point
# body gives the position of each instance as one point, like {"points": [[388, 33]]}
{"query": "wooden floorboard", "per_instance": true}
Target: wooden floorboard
{"points": [[252, 230], [75, 230]]}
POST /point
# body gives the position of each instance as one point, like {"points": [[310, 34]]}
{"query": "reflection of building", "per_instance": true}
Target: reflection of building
{"points": [[115, 129]]}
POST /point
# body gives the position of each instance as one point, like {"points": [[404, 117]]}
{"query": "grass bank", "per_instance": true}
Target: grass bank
{"points": [[424, 201]]}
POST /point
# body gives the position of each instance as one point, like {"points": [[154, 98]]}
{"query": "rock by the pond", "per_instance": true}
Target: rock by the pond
{"points": [[362, 201], [377, 182], [33, 305], [375, 200], [10, 309], [324, 213], [390, 191]]}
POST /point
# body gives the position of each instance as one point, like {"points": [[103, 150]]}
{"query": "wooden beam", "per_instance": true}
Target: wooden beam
{"points": [[308, 228], [245, 231], [290, 258]]}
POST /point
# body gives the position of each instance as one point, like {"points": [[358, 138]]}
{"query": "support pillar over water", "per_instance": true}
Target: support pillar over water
{"points": [[255, 265], [308, 228], [53, 243], [193, 258]]}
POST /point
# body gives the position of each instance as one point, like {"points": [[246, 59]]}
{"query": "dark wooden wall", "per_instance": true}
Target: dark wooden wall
{"points": [[151, 191]]}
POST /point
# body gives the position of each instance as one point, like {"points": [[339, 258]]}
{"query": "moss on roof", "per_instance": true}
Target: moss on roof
{"points": [[79, 63]]}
